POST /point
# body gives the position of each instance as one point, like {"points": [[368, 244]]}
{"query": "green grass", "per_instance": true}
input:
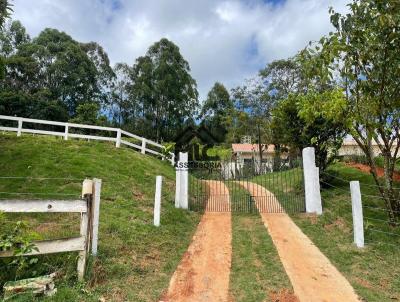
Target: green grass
{"points": [[136, 260], [257, 272], [256, 269], [373, 271]]}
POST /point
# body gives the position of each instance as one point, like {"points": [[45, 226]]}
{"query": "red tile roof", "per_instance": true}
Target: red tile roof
{"points": [[251, 148]]}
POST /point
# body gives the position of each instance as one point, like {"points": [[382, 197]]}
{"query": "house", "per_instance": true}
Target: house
{"points": [[248, 154], [350, 147]]}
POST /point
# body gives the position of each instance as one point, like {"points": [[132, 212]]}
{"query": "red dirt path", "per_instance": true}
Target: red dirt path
{"points": [[367, 169], [203, 274], [312, 275]]}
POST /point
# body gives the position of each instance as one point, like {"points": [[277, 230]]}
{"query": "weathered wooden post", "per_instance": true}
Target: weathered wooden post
{"points": [[356, 206], [95, 214], [311, 182], [157, 201], [87, 190]]}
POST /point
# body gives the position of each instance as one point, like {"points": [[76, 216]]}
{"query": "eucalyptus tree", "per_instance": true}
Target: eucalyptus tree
{"points": [[217, 110], [164, 89]]}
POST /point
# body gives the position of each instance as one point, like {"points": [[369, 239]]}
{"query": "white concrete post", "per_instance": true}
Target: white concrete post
{"points": [[157, 201], [66, 132], [177, 185], [118, 141], [143, 146], [96, 214], [356, 206], [184, 185], [19, 127], [311, 182]]}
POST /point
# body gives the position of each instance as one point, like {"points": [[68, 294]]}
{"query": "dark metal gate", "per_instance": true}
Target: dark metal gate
{"points": [[247, 187]]}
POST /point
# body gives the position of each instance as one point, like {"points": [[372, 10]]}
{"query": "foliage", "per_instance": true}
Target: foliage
{"points": [[53, 65], [298, 125], [5, 10], [362, 56], [16, 240], [165, 92], [216, 109], [89, 113]]}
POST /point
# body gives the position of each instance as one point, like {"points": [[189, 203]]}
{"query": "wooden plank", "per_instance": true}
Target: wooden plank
{"points": [[131, 145], [43, 206], [131, 135], [100, 138], [34, 131], [81, 266], [72, 125], [10, 118], [153, 152], [8, 129], [54, 246]]}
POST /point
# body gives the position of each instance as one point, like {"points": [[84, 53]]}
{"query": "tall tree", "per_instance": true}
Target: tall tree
{"points": [[162, 84], [216, 111], [5, 9], [364, 52]]}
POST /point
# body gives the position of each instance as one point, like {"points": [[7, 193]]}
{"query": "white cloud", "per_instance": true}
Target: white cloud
{"points": [[224, 41]]}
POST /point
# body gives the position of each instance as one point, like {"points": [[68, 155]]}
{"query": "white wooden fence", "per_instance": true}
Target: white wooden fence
{"points": [[120, 136], [89, 208]]}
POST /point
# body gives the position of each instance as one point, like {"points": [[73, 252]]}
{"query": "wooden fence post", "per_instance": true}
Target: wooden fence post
{"points": [[157, 201], [143, 149], [19, 127], [95, 214], [66, 132], [356, 206], [118, 141]]}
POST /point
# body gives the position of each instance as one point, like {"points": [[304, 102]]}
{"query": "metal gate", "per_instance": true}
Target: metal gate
{"points": [[272, 187]]}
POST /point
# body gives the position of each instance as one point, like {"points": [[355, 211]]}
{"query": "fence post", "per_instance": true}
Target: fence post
{"points": [[19, 127], [87, 191], [177, 185], [66, 131], [157, 201], [95, 214], [118, 141], [311, 182], [184, 182], [356, 207], [143, 146]]}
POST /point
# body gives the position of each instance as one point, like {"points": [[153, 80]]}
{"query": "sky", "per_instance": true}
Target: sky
{"points": [[223, 40]]}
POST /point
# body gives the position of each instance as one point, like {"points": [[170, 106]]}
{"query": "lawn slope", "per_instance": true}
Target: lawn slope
{"points": [[135, 259]]}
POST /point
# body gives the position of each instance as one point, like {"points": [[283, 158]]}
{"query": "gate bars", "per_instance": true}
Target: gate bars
{"points": [[284, 179]]}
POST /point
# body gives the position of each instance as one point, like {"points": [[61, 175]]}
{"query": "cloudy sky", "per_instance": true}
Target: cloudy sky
{"points": [[224, 41]]}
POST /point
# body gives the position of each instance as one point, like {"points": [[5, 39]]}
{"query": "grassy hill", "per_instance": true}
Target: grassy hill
{"points": [[135, 258]]}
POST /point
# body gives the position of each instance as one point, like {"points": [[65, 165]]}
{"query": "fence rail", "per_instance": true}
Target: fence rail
{"points": [[89, 208], [118, 137]]}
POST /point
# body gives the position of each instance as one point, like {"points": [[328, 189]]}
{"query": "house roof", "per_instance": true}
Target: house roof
{"points": [[249, 148]]}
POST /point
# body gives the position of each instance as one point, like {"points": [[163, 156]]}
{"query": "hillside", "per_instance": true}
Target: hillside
{"points": [[135, 259]]}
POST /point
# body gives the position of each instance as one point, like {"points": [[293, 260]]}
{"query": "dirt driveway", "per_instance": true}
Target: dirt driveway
{"points": [[312, 275], [203, 274]]}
